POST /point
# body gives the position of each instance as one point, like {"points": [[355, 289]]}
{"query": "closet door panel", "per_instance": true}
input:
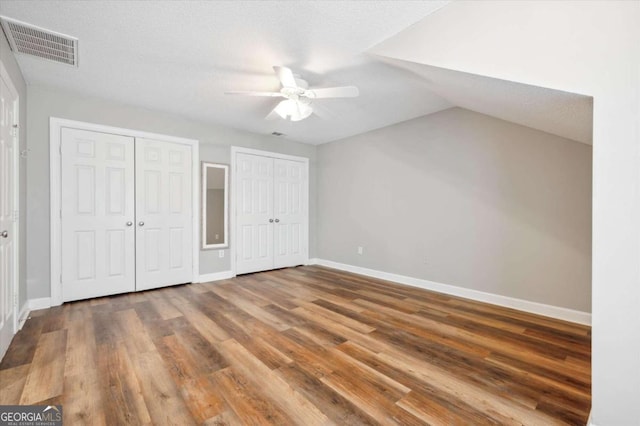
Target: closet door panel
{"points": [[290, 213], [164, 216], [254, 215], [97, 203]]}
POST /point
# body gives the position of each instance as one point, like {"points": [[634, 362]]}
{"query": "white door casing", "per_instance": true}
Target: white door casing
{"points": [[254, 213], [164, 216], [97, 214], [290, 213], [9, 146], [270, 213]]}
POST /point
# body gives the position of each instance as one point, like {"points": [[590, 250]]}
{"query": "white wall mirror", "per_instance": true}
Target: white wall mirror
{"points": [[215, 216]]}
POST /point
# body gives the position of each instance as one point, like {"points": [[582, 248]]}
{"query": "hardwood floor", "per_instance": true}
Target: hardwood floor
{"points": [[308, 345]]}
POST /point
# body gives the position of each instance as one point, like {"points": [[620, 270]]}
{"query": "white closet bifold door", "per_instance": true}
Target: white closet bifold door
{"points": [[97, 214], [164, 246], [290, 213], [254, 215], [271, 212]]}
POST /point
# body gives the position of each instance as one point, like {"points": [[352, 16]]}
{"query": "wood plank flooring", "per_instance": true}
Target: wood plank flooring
{"points": [[307, 345]]}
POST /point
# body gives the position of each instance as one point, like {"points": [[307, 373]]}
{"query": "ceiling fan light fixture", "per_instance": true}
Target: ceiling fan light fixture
{"points": [[294, 110]]}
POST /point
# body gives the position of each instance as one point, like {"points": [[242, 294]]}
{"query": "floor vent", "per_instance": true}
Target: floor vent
{"points": [[35, 41]]}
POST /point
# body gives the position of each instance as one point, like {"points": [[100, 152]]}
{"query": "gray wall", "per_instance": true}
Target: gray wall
{"points": [[456, 197], [215, 142], [10, 64], [464, 199]]}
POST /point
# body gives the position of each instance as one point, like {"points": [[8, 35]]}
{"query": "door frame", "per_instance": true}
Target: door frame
{"points": [[4, 74], [55, 137], [235, 150]]}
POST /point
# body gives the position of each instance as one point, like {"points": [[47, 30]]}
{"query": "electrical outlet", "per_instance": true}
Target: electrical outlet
{"points": [[220, 253], [360, 249]]}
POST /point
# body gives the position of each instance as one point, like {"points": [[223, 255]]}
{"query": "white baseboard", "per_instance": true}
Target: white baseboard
{"points": [[480, 296], [41, 303], [215, 276]]}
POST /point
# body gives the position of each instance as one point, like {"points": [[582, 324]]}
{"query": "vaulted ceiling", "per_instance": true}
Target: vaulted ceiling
{"points": [[181, 57]]}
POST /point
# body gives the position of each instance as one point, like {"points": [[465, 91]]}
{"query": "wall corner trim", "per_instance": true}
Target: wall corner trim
{"points": [[556, 312], [32, 305], [24, 314], [215, 276]]}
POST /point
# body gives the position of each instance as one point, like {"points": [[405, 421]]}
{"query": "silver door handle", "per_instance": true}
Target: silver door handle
{"points": [[277, 220], [141, 223], [270, 220], [129, 223], [4, 234]]}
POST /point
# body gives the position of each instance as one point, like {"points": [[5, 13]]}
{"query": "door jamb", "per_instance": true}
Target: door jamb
{"points": [[235, 150], [55, 135]]}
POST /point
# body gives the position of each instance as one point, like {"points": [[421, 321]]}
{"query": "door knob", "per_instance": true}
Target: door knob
{"points": [[129, 223], [277, 220], [4, 234], [141, 223], [270, 220]]}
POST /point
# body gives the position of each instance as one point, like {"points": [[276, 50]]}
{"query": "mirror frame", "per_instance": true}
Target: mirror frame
{"points": [[203, 209]]}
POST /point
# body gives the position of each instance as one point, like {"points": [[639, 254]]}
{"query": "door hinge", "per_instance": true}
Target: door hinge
{"points": [[60, 278], [16, 215], [15, 300]]}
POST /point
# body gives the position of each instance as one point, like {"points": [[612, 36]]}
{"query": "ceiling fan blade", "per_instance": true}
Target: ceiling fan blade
{"points": [[250, 93], [285, 75], [333, 92], [322, 112]]}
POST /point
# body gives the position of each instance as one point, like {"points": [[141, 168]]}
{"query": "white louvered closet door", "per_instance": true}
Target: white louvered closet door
{"points": [[97, 214], [164, 217]]}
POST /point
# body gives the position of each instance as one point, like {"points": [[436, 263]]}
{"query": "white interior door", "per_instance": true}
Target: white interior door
{"points": [[8, 213], [164, 214], [97, 214], [290, 213], [254, 213]]}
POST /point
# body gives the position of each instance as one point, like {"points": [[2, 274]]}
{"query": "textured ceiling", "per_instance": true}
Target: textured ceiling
{"points": [[561, 113], [181, 56]]}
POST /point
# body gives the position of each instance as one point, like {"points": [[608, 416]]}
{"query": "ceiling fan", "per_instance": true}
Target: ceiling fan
{"points": [[298, 96]]}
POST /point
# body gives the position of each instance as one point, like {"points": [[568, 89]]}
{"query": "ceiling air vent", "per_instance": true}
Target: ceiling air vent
{"points": [[35, 41]]}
